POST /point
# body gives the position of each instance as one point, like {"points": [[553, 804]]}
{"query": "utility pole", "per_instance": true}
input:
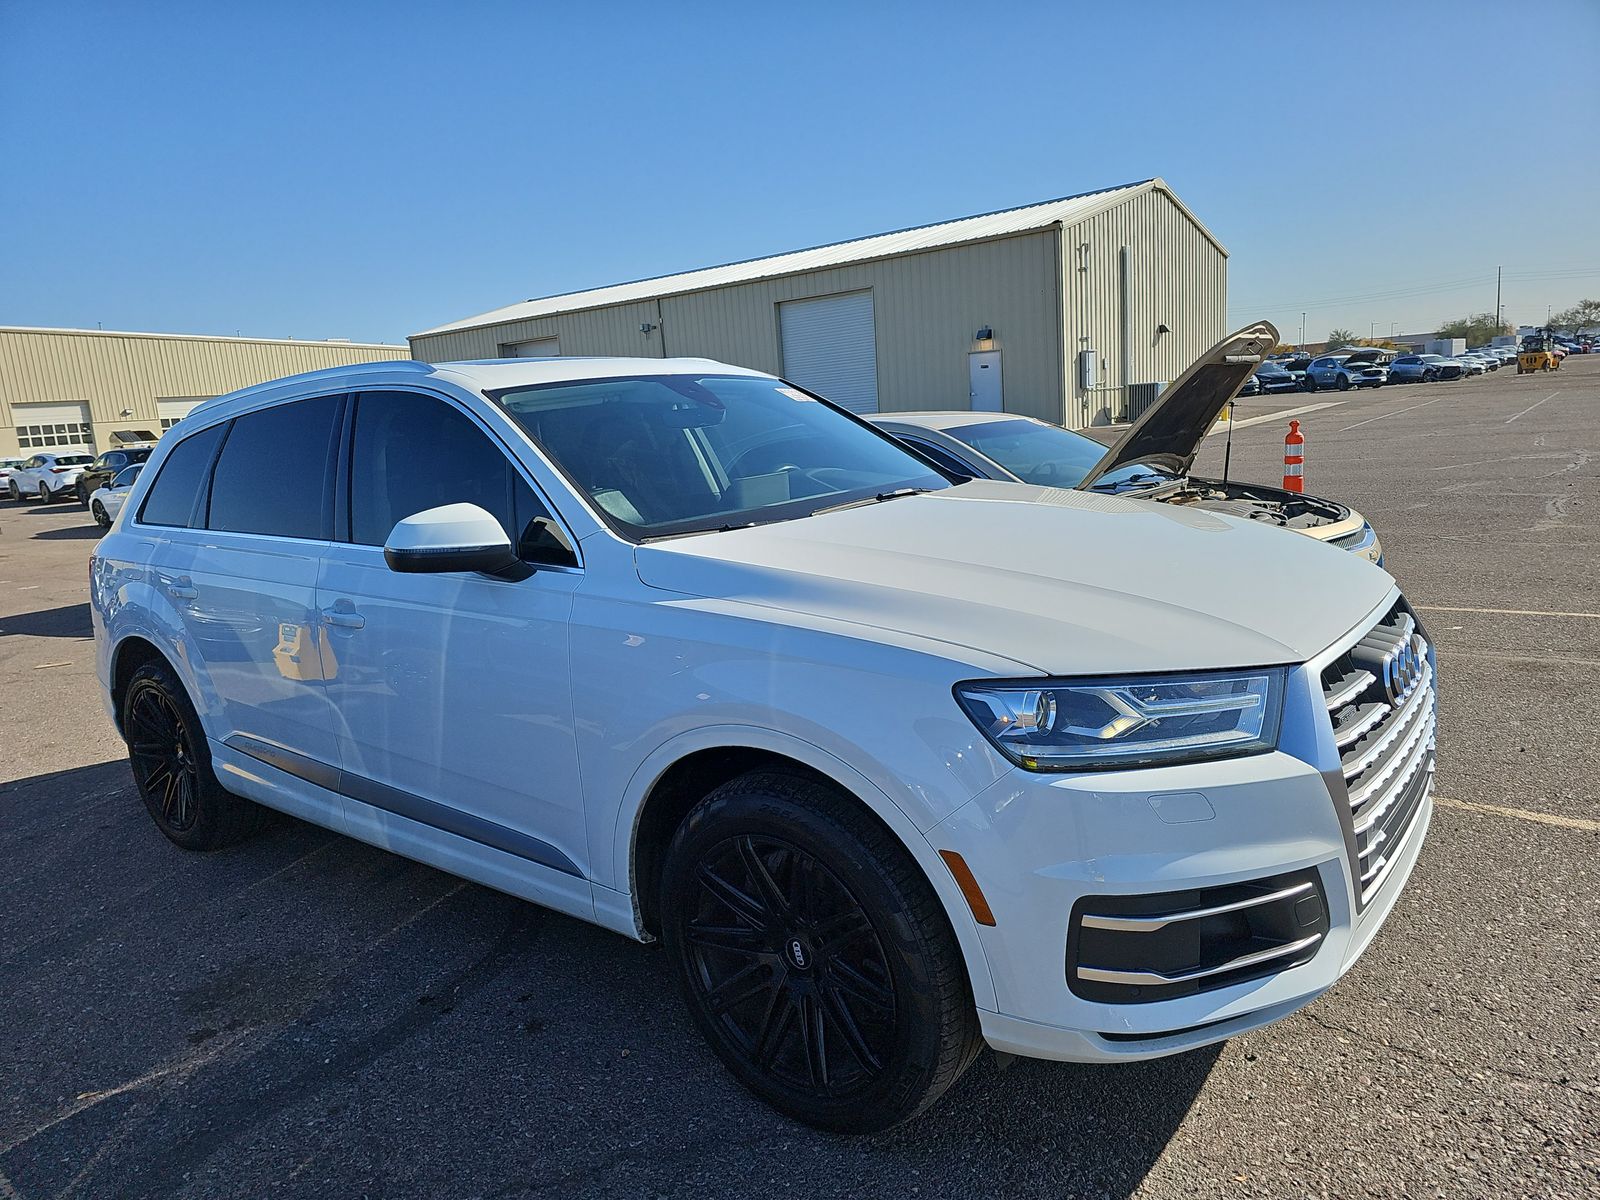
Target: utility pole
{"points": [[1497, 305], [1372, 331], [1302, 331]]}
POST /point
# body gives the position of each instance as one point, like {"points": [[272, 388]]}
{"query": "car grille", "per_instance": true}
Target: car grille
{"points": [[1383, 705]]}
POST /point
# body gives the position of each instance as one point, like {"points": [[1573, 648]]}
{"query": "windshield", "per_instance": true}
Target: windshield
{"points": [[661, 455], [1047, 455]]}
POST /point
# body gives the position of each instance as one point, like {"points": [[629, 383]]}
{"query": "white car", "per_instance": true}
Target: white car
{"points": [[105, 503], [893, 765], [48, 476], [7, 466]]}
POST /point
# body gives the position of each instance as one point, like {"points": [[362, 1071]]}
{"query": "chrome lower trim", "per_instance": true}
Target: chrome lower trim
{"points": [[1155, 979], [1152, 923]]}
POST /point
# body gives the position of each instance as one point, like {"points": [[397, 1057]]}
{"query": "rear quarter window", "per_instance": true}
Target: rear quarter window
{"points": [[172, 499]]}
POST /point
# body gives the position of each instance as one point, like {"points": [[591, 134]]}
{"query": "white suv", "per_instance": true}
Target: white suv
{"points": [[892, 765], [47, 476]]}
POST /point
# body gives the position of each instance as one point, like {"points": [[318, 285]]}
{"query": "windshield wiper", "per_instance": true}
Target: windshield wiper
{"points": [[1117, 485], [893, 494]]}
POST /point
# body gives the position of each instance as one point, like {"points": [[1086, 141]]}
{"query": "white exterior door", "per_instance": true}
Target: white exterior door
{"points": [[545, 347], [830, 347], [983, 366]]}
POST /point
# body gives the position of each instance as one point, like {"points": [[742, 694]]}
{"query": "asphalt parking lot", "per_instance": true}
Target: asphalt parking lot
{"points": [[307, 1016]]}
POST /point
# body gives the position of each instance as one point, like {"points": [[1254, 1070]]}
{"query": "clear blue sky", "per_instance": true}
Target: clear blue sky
{"points": [[368, 170]]}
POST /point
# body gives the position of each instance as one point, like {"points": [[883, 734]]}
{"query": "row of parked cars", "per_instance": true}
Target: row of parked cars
{"points": [[1359, 367], [99, 483]]}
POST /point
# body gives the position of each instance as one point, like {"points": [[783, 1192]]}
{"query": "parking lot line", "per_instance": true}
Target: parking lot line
{"points": [[1505, 612], [1395, 413], [1531, 407], [1222, 426], [1521, 814]]}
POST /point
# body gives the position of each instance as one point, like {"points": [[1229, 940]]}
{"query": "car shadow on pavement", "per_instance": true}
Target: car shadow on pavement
{"points": [[320, 1017], [71, 533], [70, 620]]}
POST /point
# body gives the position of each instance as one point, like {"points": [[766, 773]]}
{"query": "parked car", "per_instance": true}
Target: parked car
{"points": [[1491, 362], [1338, 371], [1410, 368], [48, 475], [1444, 368], [7, 466], [1471, 365], [1149, 462], [1275, 377], [107, 467], [1250, 387], [892, 764], [106, 502]]}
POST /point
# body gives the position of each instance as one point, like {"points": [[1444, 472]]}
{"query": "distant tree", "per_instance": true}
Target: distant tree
{"points": [[1477, 328], [1585, 314], [1340, 337]]}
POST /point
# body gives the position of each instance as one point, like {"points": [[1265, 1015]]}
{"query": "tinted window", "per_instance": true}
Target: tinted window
{"points": [[414, 452], [171, 499], [126, 477], [943, 457], [273, 475]]}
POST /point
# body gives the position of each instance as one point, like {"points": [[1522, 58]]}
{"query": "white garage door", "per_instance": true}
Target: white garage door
{"points": [[172, 409], [53, 426], [546, 347], [829, 347]]}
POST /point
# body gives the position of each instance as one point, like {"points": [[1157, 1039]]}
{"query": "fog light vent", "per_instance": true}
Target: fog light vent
{"points": [[1158, 946]]}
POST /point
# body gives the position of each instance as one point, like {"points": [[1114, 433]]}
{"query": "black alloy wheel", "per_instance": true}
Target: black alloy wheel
{"points": [[162, 759], [83, 495], [101, 518], [172, 765], [814, 956], [785, 957]]}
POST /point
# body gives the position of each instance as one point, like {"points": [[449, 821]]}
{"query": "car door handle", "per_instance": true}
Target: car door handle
{"points": [[182, 588], [344, 618]]}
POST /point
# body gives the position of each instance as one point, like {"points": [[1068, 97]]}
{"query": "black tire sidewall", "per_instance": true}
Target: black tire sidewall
{"points": [[757, 805], [215, 824]]}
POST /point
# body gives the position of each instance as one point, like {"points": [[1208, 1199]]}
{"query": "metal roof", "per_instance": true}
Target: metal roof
{"points": [[1064, 211]]}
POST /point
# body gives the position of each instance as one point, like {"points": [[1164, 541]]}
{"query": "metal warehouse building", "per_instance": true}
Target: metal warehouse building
{"points": [[78, 388], [1075, 310]]}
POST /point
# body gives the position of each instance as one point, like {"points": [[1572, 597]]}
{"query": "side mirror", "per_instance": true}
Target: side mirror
{"points": [[453, 537]]}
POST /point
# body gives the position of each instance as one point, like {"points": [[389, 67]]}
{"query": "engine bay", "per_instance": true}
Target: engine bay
{"points": [[1287, 510]]}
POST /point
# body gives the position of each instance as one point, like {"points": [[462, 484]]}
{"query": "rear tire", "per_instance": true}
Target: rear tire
{"points": [[45, 496], [814, 956], [172, 766]]}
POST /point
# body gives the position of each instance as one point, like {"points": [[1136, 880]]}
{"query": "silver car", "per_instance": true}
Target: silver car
{"points": [[1150, 462]]}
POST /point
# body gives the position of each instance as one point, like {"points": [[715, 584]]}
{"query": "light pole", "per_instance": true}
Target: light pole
{"points": [[1302, 331], [1372, 332]]}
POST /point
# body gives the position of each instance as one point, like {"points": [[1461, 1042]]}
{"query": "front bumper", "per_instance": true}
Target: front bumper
{"points": [[1041, 844]]}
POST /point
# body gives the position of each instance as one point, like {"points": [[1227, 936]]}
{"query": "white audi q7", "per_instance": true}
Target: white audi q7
{"points": [[892, 765]]}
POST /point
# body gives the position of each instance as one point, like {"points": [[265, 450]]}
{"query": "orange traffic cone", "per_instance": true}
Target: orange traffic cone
{"points": [[1294, 459]]}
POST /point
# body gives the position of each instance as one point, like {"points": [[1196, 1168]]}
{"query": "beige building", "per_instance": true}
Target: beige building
{"points": [[78, 388], [1075, 310]]}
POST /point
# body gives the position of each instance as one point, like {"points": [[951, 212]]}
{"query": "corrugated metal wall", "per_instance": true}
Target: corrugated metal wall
{"points": [[1172, 274], [927, 306], [113, 371]]}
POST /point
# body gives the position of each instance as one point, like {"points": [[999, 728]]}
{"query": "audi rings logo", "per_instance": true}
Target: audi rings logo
{"points": [[1405, 667]]}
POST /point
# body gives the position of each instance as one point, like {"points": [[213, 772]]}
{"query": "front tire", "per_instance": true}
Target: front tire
{"points": [[1344, 383], [814, 956], [101, 517], [172, 766]]}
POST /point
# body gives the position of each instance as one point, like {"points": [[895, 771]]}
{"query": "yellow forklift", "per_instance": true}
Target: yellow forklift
{"points": [[1538, 353]]}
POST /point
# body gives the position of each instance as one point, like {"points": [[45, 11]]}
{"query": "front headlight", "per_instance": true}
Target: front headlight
{"points": [[1131, 721]]}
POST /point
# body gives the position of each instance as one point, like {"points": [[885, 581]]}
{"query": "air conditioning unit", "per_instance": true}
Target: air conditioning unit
{"points": [[1138, 398]]}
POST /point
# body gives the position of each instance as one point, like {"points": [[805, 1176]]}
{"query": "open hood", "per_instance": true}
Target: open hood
{"points": [[1168, 435]]}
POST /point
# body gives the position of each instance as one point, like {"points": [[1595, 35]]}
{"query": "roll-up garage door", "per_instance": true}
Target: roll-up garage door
{"points": [[53, 426], [829, 347]]}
